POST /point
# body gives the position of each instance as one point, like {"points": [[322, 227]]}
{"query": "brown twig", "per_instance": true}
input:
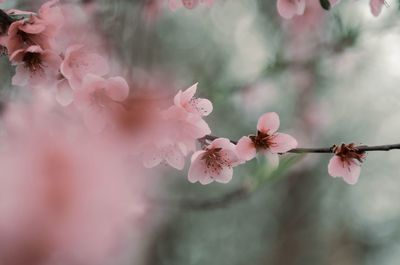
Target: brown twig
{"points": [[328, 150], [223, 201]]}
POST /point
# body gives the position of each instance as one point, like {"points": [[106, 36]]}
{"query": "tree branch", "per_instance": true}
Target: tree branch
{"points": [[328, 150]]}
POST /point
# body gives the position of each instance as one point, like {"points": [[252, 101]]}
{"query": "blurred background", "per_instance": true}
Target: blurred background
{"points": [[331, 75]]}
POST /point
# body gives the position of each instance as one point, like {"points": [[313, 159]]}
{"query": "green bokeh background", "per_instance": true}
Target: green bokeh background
{"points": [[334, 81]]}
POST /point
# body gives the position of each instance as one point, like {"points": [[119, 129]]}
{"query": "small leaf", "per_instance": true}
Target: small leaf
{"points": [[325, 4]]}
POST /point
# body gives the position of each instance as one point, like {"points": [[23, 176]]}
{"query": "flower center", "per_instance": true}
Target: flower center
{"points": [[33, 61], [263, 140], [215, 160], [348, 153]]}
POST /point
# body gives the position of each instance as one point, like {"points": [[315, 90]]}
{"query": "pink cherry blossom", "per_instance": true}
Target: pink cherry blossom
{"points": [[186, 100], [25, 33], [184, 127], [290, 8], [37, 30], [376, 6], [346, 163], [35, 67], [61, 204], [174, 136], [50, 13], [64, 92], [267, 141], [167, 151], [98, 98], [78, 62], [214, 163]]}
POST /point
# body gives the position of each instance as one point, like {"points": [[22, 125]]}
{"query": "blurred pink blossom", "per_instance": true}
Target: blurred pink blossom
{"points": [[290, 8], [376, 6], [36, 30], [78, 62], [35, 67], [61, 204], [98, 98]]}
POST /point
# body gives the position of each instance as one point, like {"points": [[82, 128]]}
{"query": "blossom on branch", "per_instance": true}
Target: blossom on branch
{"points": [[35, 66], [346, 163], [267, 141], [186, 100], [214, 163]]}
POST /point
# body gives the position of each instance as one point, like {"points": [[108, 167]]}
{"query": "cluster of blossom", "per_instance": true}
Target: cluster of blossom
{"points": [[72, 176], [167, 135], [286, 8]]}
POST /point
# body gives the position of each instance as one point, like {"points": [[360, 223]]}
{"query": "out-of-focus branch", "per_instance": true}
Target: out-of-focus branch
{"points": [[223, 201], [361, 148]]}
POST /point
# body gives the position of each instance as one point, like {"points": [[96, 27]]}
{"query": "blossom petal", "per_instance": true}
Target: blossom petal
{"points": [[151, 158], [224, 176], [223, 143], [282, 143], [289, 8], [245, 148], [348, 171], [203, 106], [21, 76], [376, 6], [64, 93], [268, 123], [117, 88], [352, 174], [175, 158], [189, 93], [198, 171]]}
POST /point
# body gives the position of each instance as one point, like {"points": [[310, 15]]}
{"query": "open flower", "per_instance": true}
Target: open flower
{"points": [[186, 100], [25, 33], [173, 137], [290, 8], [346, 163], [376, 6], [35, 66], [168, 151], [77, 63], [267, 141], [97, 98], [214, 163], [37, 30]]}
